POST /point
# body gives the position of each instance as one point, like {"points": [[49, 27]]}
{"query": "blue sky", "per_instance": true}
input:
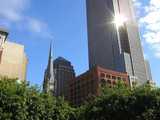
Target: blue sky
{"points": [[34, 23]]}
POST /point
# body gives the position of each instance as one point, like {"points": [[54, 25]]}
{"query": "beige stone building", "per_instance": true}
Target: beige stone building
{"points": [[13, 60]]}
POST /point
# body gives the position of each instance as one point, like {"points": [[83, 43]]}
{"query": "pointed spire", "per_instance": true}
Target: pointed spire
{"points": [[49, 74], [51, 45], [50, 55]]}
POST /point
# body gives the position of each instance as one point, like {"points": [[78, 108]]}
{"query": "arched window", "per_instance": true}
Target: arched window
{"points": [[109, 81], [103, 82]]}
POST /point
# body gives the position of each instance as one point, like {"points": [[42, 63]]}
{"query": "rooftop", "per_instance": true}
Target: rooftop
{"points": [[4, 30]]}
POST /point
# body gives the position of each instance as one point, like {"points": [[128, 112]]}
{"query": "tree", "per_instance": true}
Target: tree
{"points": [[19, 101], [24, 102], [123, 103]]}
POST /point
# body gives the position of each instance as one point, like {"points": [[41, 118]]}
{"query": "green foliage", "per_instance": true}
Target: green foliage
{"points": [[123, 103], [21, 102]]}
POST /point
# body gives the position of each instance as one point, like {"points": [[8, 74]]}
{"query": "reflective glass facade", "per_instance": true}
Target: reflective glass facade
{"points": [[112, 47]]}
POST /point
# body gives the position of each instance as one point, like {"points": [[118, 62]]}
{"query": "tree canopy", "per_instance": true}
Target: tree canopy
{"points": [[20, 101], [24, 102], [124, 103]]}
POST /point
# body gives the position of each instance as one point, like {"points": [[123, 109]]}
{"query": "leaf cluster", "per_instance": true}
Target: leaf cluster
{"points": [[24, 102], [19, 101], [124, 103]]}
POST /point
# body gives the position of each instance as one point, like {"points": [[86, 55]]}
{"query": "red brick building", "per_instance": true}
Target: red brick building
{"points": [[88, 84]]}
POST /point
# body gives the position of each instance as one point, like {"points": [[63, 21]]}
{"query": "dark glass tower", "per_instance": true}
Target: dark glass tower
{"points": [[111, 46], [64, 72]]}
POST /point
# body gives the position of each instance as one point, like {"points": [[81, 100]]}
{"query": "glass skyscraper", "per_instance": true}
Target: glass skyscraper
{"points": [[113, 38], [64, 72]]}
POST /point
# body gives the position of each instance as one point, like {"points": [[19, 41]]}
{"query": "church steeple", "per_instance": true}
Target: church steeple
{"points": [[49, 79], [50, 56]]}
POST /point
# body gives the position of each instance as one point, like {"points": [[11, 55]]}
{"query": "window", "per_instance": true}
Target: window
{"points": [[109, 81], [103, 82], [119, 78], [114, 82], [114, 77], [108, 76], [102, 75]]}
